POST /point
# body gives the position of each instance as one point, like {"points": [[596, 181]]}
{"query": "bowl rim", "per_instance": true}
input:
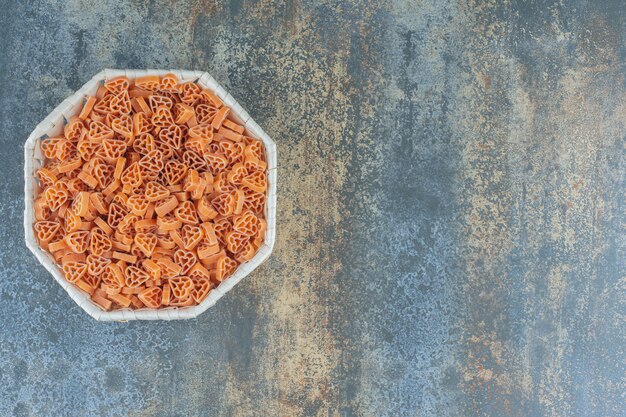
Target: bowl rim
{"points": [[53, 124]]}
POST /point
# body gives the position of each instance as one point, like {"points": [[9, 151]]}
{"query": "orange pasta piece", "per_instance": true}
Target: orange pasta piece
{"points": [[176, 237], [117, 85], [166, 295], [120, 299], [84, 113], [191, 236], [125, 257], [219, 117], [186, 213], [229, 134], [105, 303], [198, 271], [148, 82], [181, 287], [83, 285], [46, 230], [151, 297], [146, 242], [164, 207], [135, 276], [202, 287], [185, 259]]}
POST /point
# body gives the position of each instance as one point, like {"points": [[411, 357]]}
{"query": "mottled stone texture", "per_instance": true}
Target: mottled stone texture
{"points": [[451, 212]]}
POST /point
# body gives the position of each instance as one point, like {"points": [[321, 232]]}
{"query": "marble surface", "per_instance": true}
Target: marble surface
{"points": [[450, 214]]}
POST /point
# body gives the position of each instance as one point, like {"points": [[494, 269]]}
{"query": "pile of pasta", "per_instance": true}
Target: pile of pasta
{"points": [[152, 196]]}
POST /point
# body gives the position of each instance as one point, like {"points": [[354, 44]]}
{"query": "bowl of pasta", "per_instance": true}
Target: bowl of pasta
{"points": [[149, 194]]}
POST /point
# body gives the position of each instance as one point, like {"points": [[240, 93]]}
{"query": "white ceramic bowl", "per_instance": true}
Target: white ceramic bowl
{"points": [[53, 124]]}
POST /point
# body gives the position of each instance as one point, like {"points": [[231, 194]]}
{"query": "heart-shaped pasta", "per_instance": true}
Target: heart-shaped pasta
{"points": [[152, 193]]}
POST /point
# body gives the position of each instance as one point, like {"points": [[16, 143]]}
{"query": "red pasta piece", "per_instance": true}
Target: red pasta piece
{"points": [[113, 148], [169, 268], [198, 272], [72, 222], [102, 106], [237, 173], [255, 148], [87, 149], [246, 253], [222, 227], [113, 276], [46, 177], [205, 248], [192, 180], [211, 99], [65, 149], [234, 152], [224, 203], [127, 224], [137, 204], [219, 117], [221, 183], [49, 147], [205, 113], [190, 93], [141, 124], [87, 107], [252, 163], [42, 211], [183, 113], [224, 267], [97, 202], [163, 207], [156, 101], [194, 161]]}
